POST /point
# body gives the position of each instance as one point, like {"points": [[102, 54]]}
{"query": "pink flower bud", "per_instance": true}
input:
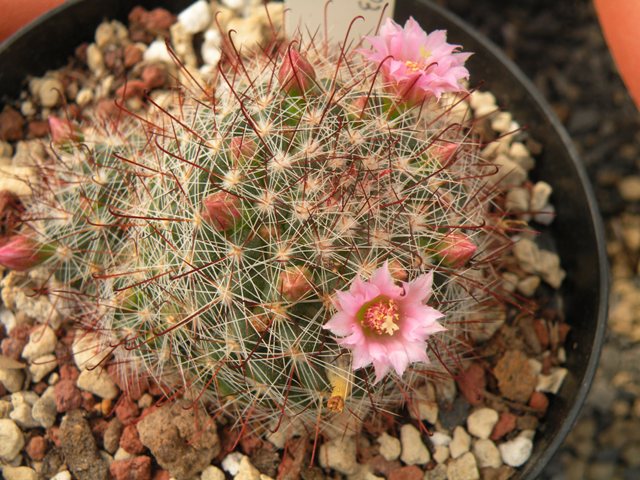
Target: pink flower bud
{"points": [[295, 283], [63, 131], [456, 250], [296, 74], [21, 253], [221, 210], [444, 153], [242, 148]]}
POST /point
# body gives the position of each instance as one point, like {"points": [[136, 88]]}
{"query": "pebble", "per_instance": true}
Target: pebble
{"points": [[439, 438], [210, 50], [517, 451], [112, 433], [460, 443], [247, 471], [42, 366], [437, 473], [424, 402], [212, 473], [520, 154], [157, 52], [551, 383], [5, 408], [137, 468], [502, 122], [11, 440], [509, 172], [480, 99], [517, 200], [84, 97], [629, 188], [85, 350], [44, 409], [463, 468], [98, 382], [12, 379], [95, 60], [441, 454], [481, 422], [64, 475], [19, 473], [7, 318], [248, 32], [49, 92], [528, 285], [390, 447], [42, 341], [540, 194], [231, 463], [22, 406], [339, 454], [516, 378], [11, 125], [196, 18], [487, 454], [122, 454], [79, 448], [414, 451]]}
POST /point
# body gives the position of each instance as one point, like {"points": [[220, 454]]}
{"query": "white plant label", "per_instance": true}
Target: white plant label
{"points": [[308, 17]]}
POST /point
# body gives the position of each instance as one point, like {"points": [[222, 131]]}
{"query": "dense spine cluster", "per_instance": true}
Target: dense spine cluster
{"points": [[205, 243]]}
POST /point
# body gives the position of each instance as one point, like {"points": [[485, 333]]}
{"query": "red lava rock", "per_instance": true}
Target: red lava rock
{"points": [[11, 208], [516, 378], [88, 401], [12, 347], [130, 440], [137, 468], [53, 434], [145, 25], [155, 76], [3, 391], [293, 458], [133, 88], [11, 125], [539, 402], [158, 20], [506, 424], [132, 55], [67, 396], [114, 60], [547, 363], [39, 387], [127, 410], [68, 372], [37, 448], [411, 472], [81, 52], [563, 331], [472, 383], [250, 443], [382, 466], [38, 129], [135, 386], [106, 108], [542, 333]]}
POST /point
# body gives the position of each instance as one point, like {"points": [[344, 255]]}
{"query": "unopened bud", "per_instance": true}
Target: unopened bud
{"points": [[456, 250], [63, 131], [21, 253], [295, 283], [221, 210], [296, 74]]}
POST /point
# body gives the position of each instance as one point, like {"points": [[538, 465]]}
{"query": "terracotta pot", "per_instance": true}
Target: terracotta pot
{"points": [[620, 20], [15, 14]]}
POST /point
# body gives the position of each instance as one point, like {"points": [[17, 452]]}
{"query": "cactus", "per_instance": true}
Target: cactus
{"points": [[206, 242]]}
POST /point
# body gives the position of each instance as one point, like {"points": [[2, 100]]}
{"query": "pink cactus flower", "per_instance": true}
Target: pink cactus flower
{"points": [[63, 131], [385, 324], [221, 210], [21, 253], [456, 250], [296, 75], [421, 65]]}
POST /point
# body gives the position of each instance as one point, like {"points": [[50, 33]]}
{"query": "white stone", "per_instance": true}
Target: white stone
{"points": [[425, 404], [517, 451], [5, 408], [84, 97], [482, 99], [501, 122], [520, 154], [196, 18], [247, 471], [157, 52], [87, 350], [122, 454], [390, 447], [546, 215], [212, 473], [509, 172], [528, 255], [210, 50], [19, 473], [11, 440], [528, 285], [44, 409], [22, 407], [339, 454], [509, 281], [234, 4], [95, 60], [12, 379], [517, 200], [540, 194], [49, 92], [63, 475], [549, 268], [42, 341], [231, 463], [8, 319], [481, 422], [441, 453], [440, 438], [414, 451], [248, 32], [460, 443], [551, 383], [42, 366], [98, 382], [487, 454], [463, 468]]}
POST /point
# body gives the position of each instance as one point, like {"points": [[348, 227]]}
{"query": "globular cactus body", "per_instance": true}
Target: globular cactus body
{"points": [[206, 247]]}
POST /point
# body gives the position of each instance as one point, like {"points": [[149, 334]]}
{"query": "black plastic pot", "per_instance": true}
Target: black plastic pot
{"points": [[577, 231]]}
